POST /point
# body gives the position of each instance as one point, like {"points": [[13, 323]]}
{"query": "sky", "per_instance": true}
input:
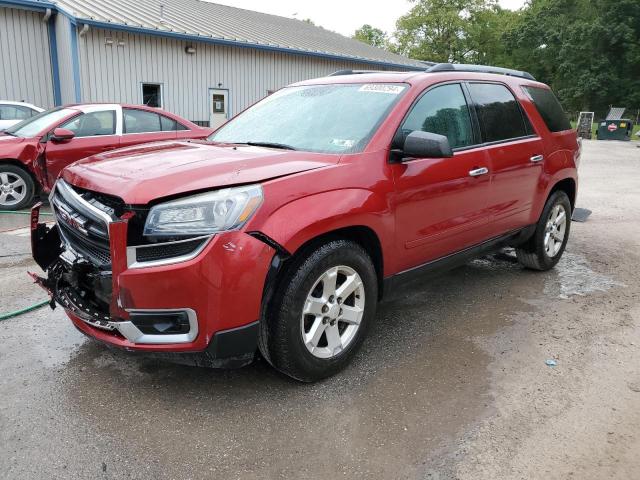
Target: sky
{"points": [[342, 16]]}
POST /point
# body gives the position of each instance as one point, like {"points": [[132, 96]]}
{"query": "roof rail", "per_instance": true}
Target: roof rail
{"points": [[353, 72], [461, 67]]}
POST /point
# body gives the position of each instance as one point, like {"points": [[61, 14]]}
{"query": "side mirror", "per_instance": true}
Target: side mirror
{"points": [[62, 135], [419, 144]]}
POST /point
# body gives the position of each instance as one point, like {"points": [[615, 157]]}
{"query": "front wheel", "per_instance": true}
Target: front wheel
{"points": [[544, 249], [16, 188], [321, 312]]}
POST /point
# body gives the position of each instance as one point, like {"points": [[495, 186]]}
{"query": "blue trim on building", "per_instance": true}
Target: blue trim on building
{"points": [[29, 4], [195, 38], [55, 66], [75, 62]]}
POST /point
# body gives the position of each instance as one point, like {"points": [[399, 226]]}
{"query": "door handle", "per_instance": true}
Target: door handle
{"points": [[537, 158], [476, 172]]}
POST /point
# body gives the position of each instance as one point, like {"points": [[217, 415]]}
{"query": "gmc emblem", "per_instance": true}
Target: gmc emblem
{"points": [[72, 221]]}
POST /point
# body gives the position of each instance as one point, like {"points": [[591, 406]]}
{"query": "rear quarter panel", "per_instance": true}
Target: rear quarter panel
{"points": [[561, 151]]}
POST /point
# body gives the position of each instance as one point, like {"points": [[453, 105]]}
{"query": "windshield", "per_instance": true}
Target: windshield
{"points": [[317, 118], [34, 125]]}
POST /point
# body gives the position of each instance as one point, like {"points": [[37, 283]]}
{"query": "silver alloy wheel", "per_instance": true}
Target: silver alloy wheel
{"points": [[13, 189], [332, 312], [555, 230]]}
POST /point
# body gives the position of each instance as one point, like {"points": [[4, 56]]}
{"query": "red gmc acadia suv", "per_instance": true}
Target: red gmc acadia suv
{"points": [[283, 230]]}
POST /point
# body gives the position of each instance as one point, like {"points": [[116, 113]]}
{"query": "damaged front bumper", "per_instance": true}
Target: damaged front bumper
{"points": [[202, 310]]}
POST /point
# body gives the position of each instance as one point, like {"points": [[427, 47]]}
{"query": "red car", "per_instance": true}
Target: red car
{"points": [[35, 150], [283, 230]]}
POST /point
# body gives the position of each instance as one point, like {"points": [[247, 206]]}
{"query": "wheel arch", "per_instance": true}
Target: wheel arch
{"points": [[362, 235], [568, 186], [22, 166]]}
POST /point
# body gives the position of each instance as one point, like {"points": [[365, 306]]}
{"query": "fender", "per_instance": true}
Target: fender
{"points": [[329, 211], [22, 152], [557, 167]]}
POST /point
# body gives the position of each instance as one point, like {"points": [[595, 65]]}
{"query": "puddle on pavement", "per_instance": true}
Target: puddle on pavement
{"points": [[418, 381], [574, 276], [421, 379]]}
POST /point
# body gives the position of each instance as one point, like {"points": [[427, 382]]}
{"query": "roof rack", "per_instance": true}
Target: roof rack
{"points": [[461, 67], [354, 72]]}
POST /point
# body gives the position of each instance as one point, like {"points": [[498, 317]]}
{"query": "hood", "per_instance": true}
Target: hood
{"points": [[10, 140], [147, 172]]}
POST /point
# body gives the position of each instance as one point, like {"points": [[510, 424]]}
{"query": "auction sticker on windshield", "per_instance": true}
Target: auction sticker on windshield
{"points": [[381, 88]]}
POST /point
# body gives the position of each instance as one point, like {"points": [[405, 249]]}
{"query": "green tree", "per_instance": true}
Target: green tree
{"points": [[484, 35], [439, 30], [588, 51], [371, 35]]}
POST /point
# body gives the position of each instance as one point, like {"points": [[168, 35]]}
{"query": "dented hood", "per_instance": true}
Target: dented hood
{"points": [[9, 139], [145, 173]]}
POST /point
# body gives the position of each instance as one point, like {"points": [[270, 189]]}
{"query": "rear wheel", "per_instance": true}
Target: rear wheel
{"points": [[321, 312], [16, 187], [544, 249]]}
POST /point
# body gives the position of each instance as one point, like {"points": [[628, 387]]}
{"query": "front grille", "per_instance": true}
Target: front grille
{"points": [[84, 229], [96, 252], [83, 219], [168, 250]]}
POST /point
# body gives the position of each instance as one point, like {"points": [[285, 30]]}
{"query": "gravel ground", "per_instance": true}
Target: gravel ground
{"points": [[451, 384]]}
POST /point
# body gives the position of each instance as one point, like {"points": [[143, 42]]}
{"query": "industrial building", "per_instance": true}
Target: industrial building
{"points": [[203, 61]]}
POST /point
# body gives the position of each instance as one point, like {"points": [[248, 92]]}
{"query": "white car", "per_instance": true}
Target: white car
{"points": [[14, 112]]}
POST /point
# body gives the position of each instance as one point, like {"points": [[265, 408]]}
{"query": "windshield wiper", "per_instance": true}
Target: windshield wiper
{"points": [[270, 145], [7, 132]]}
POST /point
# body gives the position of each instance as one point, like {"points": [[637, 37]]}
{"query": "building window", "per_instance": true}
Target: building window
{"points": [[152, 95]]}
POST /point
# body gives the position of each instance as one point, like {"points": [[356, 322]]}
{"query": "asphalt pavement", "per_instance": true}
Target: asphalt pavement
{"points": [[452, 382]]}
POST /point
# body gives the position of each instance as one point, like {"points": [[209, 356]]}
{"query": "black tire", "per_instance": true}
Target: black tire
{"points": [[27, 192], [280, 339], [533, 254]]}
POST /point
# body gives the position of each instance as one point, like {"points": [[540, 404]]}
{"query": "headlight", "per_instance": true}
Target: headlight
{"points": [[205, 213]]}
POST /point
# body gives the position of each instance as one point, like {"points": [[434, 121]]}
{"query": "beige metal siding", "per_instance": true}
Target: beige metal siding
{"points": [[63, 39], [114, 72], [25, 63]]}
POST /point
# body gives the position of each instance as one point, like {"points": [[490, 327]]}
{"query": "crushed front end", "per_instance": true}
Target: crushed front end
{"points": [[195, 300]]}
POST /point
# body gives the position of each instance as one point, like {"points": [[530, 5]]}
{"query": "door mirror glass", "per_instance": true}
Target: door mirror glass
{"points": [[62, 135], [419, 144]]}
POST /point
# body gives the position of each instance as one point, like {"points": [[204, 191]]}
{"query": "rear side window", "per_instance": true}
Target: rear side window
{"points": [[549, 108], [141, 121], [499, 112], [168, 123], [442, 110]]}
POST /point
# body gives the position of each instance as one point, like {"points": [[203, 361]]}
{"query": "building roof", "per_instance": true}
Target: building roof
{"points": [[206, 21]]}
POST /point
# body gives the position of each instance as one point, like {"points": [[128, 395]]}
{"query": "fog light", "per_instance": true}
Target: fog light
{"points": [[161, 323]]}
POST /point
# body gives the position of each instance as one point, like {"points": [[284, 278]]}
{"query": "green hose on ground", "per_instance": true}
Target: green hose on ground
{"points": [[5, 316], [18, 212]]}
